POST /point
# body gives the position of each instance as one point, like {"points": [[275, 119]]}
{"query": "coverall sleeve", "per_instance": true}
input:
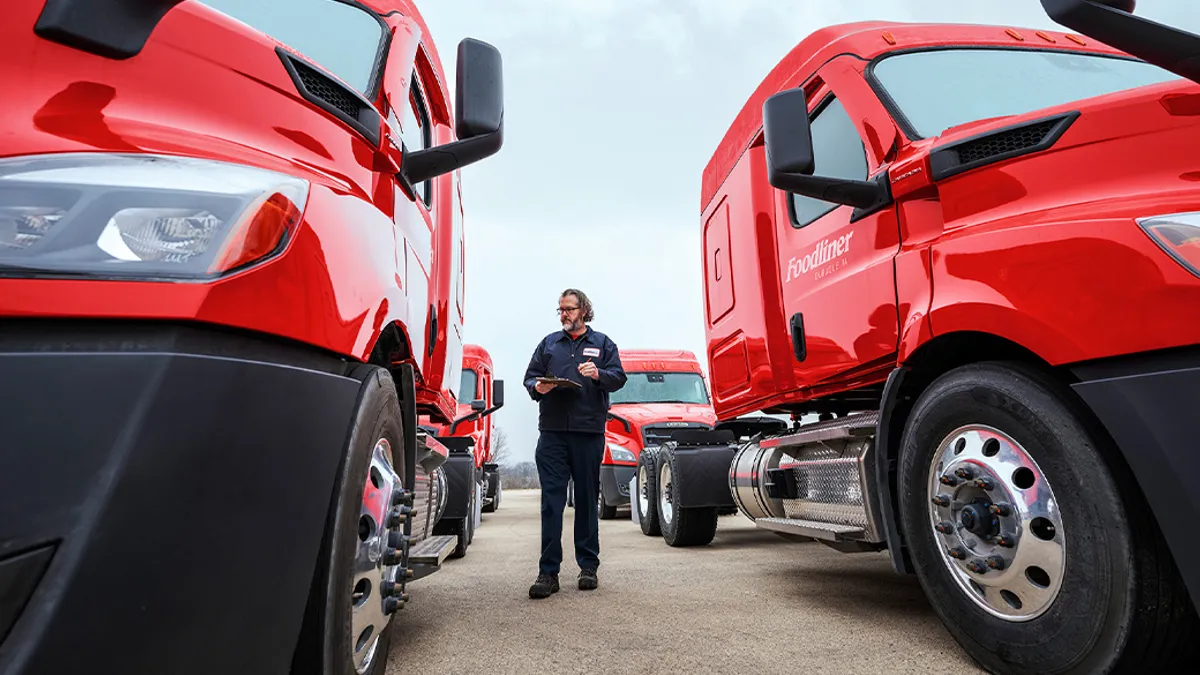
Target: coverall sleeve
{"points": [[534, 370], [612, 373]]}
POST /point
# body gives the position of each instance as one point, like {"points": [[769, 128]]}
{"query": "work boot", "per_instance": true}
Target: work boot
{"points": [[544, 586], [587, 580]]}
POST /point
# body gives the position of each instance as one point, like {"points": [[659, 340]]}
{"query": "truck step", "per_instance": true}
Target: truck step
{"points": [[860, 425], [433, 551], [811, 528]]}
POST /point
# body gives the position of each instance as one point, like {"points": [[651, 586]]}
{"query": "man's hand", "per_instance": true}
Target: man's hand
{"points": [[589, 370], [544, 387]]}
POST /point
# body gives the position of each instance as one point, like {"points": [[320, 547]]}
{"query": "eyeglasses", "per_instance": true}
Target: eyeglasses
{"points": [[565, 310]]}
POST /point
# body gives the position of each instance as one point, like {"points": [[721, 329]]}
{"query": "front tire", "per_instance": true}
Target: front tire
{"points": [[646, 498], [606, 512], [348, 622], [1031, 552]]}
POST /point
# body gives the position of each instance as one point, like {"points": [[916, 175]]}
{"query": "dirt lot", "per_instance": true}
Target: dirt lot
{"points": [[747, 603]]}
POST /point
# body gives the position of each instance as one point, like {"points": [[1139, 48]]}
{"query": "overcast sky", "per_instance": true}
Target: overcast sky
{"points": [[612, 109]]}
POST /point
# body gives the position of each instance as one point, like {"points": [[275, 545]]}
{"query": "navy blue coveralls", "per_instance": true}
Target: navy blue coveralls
{"points": [[571, 440]]}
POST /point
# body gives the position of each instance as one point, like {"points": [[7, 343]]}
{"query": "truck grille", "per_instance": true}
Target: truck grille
{"points": [[657, 434]]}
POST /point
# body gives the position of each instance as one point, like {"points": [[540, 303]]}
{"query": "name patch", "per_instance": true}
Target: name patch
{"points": [[591, 351]]}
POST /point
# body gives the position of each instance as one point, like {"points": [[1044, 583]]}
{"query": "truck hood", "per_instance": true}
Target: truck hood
{"points": [[643, 414]]}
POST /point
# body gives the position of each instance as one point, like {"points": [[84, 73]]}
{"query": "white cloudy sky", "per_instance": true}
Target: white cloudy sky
{"points": [[612, 108]]}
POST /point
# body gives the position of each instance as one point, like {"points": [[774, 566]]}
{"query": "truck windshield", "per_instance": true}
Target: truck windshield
{"points": [[659, 387], [935, 90], [466, 390], [342, 38]]}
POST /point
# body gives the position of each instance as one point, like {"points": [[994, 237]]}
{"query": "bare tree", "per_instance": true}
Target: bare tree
{"points": [[499, 446]]}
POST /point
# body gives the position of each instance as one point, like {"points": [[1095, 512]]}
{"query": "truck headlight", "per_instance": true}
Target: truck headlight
{"points": [[620, 454], [139, 216], [1179, 235]]}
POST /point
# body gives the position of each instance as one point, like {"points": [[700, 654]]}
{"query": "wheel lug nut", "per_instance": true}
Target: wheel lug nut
{"points": [[948, 480], [1000, 510], [398, 515], [941, 500], [398, 539], [985, 483], [964, 473], [392, 605], [958, 553], [978, 566], [1004, 540], [391, 588], [392, 556], [401, 496], [996, 562], [945, 527]]}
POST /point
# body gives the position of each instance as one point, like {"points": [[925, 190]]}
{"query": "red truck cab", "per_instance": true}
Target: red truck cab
{"points": [[666, 391], [231, 257], [472, 479], [972, 251]]}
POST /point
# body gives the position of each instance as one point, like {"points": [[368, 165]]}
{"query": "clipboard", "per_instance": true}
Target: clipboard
{"points": [[561, 382]]}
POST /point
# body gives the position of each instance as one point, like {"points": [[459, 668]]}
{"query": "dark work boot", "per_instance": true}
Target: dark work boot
{"points": [[587, 580], [544, 586]]}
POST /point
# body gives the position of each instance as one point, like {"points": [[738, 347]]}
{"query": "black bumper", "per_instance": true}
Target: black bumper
{"points": [[164, 493], [614, 483], [1149, 405]]}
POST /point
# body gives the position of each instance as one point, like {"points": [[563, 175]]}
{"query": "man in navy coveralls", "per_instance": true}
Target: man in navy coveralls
{"points": [[571, 423]]}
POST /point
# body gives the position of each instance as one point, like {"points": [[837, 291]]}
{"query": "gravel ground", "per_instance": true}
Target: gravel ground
{"points": [[750, 602]]}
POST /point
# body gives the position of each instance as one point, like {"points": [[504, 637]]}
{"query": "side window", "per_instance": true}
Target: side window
{"points": [[414, 128], [838, 152]]}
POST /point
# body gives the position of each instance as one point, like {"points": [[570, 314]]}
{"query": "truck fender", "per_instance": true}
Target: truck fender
{"points": [[888, 432]]}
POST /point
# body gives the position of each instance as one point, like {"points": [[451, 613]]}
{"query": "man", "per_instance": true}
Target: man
{"points": [[571, 423]]}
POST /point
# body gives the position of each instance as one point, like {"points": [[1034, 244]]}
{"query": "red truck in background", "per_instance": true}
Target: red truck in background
{"points": [[972, 252], [666, 391], [231, 278], [472, 478]]}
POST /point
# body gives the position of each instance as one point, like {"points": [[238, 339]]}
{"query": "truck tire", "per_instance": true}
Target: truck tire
{"points": [[493, 489], [499, 491], [645, 497], [464, 528], [333, 622], [693, 526], [606, 512], [1025, 445]]}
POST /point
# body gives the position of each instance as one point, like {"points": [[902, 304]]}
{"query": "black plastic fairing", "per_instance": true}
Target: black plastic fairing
{"points": [[999, 145], [116, 29]]}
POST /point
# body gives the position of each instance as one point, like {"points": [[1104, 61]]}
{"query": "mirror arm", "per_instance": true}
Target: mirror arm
{"points": [[442, 159], [862, 194], [1167, 47], [471, 418]]}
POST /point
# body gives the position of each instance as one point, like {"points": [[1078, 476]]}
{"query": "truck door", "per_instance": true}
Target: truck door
{"points": [[836, 269]]}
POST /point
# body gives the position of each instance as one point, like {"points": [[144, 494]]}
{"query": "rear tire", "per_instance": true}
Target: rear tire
{"points": [[692, 526], [606, 512], [325, 645], [1119, 607], [493, 490], [645, 497]]}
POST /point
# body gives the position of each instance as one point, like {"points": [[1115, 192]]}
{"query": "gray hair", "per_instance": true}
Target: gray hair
{"points": [[584, 303]]}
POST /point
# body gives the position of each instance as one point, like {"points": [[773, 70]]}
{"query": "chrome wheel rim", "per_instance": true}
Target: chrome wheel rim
{"points": [[665, 510], [643, 491], [369, 613], [997, 523]]}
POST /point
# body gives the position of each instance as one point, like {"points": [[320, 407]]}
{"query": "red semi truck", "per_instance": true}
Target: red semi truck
{"points": [[666, 391], [472, 479], [972, 251], [231, 278]]}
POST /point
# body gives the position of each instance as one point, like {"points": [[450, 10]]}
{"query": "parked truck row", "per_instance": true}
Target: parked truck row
{"points": [[971, 253]]}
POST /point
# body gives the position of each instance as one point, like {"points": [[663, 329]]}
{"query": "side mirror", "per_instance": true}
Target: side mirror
{"points": [[478, 116], [498, 394], [479, 98], [791, 157], [479, 405], [1113, 23]]}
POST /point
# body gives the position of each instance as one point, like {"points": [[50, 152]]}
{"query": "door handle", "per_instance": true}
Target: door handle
{"points": [[799, 346]]}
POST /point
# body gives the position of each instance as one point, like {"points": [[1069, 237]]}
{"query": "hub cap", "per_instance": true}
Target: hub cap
{"points": [[373, 573], [665, 510], [996, 522], [643, 495]]}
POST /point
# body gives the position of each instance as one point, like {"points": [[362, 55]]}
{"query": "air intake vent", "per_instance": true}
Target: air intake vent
{"points": [[999, 145], [333, 97]]}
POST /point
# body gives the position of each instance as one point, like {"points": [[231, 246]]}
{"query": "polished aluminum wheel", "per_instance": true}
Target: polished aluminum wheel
{"points": [[643, 492], [995, 518], [666, 512], [377, 557]]}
